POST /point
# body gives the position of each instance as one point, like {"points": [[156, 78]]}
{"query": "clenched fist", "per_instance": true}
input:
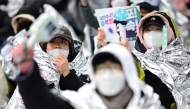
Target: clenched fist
{"points": [[26, 53], [62, 62]]}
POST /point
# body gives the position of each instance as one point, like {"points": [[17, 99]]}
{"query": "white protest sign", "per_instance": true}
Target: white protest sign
{"points": [[106, 21]]}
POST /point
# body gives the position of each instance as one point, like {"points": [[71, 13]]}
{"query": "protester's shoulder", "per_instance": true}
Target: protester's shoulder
{"points": [[72, 97], [149, 98]]}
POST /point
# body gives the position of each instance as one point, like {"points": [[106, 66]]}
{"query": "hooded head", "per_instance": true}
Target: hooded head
{"points": [[24, 18], [62, 40], [113, 68], [145, 8], [152, 37]]}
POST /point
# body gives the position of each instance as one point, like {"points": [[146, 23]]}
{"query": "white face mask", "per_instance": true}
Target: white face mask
{"points": [[110, 82], [56, 52], [153, 39], [117, 3]]}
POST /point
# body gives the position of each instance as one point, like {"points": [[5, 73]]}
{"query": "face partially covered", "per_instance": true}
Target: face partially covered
{"points": [[152, 35], [152, 32], [108, 74], [58, 46], [23, 23]]}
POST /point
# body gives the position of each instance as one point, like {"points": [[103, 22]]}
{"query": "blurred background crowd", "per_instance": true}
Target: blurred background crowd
{"points": [[78, 16]]}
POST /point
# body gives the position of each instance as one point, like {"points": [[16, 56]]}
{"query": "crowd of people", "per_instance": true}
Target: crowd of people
{"points": [[78, 69]]}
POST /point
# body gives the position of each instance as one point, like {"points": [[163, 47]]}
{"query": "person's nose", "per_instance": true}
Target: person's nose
{"points": [[57, 46]]}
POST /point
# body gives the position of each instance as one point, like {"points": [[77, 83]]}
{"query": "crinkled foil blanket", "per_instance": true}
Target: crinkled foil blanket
{"points": [[172, 66]]}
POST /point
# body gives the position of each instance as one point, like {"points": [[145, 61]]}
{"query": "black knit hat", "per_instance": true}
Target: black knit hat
{"points": [[29, 9], [146, 6], [28, 12]]}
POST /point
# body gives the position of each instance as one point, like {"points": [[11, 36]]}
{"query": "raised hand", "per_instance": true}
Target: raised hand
{"points": [[127, 44], [62, 62], [101, 36], [27, 53]]}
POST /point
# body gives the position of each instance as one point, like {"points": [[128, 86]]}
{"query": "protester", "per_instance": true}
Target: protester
{"points": [[24, 18], [111, 68], [150, 35], [145, 8], [73, 16], [62, 65]]}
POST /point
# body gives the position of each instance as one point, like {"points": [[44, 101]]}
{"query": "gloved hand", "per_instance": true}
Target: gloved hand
{"points": [[26, 65]]}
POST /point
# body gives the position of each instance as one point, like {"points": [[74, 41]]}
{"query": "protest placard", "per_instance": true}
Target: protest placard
{"points": [[106, 21]]}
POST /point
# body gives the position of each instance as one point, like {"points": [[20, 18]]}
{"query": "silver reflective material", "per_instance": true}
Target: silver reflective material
{"points": [[7, 69], [80, 63], [89, 99], [172, 66], [49, 72], [149, 100]]}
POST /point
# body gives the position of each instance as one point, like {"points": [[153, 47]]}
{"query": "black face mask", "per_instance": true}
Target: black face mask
{"points": [[24, 25]]}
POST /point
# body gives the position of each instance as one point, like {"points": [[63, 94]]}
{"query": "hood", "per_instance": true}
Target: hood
{"points": [[128, 65], [14, 22], [29, 12], [172, 27]]}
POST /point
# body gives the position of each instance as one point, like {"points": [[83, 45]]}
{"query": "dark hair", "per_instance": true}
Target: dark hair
{"points": [[103, 57]]}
